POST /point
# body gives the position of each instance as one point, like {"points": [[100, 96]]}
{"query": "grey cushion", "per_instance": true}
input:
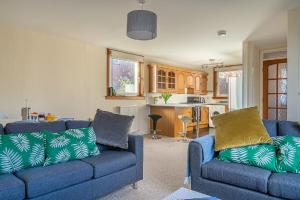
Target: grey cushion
{"points": [[240, 175], [42, 180], [109, 162], [112, 129], [288, 128], [285, 185], [11, 187], [271, 126], [34, 127], [1, 129], [73, 124]]}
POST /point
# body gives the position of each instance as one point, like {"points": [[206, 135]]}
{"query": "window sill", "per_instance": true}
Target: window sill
{"points": [[125, 97]]}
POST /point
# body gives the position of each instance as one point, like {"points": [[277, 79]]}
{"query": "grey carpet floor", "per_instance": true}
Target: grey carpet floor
{"points": [[164, 170]]}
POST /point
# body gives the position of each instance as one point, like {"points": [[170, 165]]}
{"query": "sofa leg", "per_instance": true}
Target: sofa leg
{"points": [[135, 185]]}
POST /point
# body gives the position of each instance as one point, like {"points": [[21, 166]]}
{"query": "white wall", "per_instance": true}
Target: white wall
{"points": [[57, 75], [293, 64]]}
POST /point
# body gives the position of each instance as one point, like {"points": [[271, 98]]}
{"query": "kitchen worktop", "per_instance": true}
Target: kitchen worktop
{"points": [[185, 105]]}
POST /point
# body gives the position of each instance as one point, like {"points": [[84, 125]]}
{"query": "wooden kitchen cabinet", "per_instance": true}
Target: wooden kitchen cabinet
{"points": [[201, 83], [170, 79], [170, 125]]}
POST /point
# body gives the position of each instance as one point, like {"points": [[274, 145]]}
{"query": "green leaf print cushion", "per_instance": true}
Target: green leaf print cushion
{"points": [[262, 155], [20, 151], [288, 153], [71, 144]]}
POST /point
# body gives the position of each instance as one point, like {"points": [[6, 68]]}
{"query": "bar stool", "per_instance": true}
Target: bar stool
{"points": [[185, 121], [154, 119]]}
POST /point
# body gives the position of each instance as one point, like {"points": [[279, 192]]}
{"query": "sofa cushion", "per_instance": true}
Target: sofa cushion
{"points": [[73, 124], [35, 127], [284, 185], [271, 126], [11, 187], [42, 180], [109, 162], [1, 129], [288, 128], [240, 175]]}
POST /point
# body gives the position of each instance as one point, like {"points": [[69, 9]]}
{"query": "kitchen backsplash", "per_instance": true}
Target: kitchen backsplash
{"points": [[178, 98]]}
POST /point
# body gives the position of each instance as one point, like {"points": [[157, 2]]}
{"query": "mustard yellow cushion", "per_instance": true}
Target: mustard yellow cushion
{"points": [[239, 128]]}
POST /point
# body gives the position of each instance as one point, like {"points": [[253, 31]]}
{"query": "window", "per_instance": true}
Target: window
{"points": [[124, 75], [222, 79]]}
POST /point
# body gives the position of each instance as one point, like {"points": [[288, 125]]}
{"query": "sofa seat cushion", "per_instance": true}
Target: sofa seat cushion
{"points": [[43, 180], [240, 175], [11, 187], [284, 185], [109, 162]]}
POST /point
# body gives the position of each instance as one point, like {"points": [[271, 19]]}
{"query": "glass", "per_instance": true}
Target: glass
{"points": [[282, 100], [271, 86], [124, 76], [282, 114], [272, 71], [272, 114], [282, 70], [272, 100], [282, 86]]}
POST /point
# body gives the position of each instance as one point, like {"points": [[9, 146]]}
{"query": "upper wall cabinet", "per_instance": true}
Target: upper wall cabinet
{"points": [[175, 80]]}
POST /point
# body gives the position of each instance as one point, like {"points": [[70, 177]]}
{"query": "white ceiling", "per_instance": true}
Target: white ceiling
{"points": [[186, 28]]}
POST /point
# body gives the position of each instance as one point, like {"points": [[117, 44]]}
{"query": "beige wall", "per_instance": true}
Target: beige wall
{"points": [[293, 64], [57, 75]]}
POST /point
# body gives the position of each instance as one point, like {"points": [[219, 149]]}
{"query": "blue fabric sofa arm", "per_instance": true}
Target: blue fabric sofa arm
{"points": [[201, 151], [136, 146]]}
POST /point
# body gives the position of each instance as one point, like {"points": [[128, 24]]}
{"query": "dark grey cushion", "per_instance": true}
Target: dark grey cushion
{"points": [[35, 127], [74, 124], [285, 185], [1, 129], [240, 175], [11, 187], [271, 126], [43, 180], [288, 128], [112, 129], [110, 162]]}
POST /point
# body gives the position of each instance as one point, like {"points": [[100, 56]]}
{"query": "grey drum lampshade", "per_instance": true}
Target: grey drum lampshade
{"points": [[141, 25]]}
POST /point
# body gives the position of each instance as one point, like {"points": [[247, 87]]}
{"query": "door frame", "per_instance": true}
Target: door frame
{"points": [[265, 83]]}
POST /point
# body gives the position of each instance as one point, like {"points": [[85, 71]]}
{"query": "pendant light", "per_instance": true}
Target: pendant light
{"points": [[141, 24]]}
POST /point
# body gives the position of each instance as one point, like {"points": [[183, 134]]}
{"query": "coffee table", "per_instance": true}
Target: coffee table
{"points": [[184, 193]]}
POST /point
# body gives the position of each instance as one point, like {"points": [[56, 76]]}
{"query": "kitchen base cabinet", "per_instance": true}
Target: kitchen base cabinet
{"points": [[170, 125]]}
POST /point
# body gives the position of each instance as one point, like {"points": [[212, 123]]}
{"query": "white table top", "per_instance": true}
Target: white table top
{"points": [[184, 193]]}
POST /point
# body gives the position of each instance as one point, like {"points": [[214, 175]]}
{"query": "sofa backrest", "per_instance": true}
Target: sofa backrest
{"points": [[1, 129], [77, 124], [272, 127], [23, 127], [281, 128], [288, 128]]}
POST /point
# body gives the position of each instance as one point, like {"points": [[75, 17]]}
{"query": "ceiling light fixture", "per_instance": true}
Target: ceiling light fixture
{"points": [[222, 33], [211, 64], [141, 24]]}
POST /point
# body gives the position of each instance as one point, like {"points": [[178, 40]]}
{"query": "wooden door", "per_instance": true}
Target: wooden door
{"points": [[275, 89], [180, 83]]}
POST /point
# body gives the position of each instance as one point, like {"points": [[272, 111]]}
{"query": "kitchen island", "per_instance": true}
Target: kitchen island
{"points": [[170, 125]]}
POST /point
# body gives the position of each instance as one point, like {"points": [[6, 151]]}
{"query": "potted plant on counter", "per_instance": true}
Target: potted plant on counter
{"points": [[166, 97]]}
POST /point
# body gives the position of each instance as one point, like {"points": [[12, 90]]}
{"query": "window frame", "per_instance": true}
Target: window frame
{"points": [[215, 84], [140, 95]]}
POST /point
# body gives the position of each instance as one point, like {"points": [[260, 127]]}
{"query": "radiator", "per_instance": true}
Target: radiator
{"points": [[130, 111]]}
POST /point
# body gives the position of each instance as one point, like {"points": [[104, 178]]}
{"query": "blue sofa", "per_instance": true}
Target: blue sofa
{"points": [[88, 178], [237, 181]]}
